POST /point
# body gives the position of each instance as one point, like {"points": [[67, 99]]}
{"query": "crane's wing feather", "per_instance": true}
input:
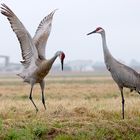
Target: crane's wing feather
{"points": [[42, 33], [124, 75], [29, 51]]}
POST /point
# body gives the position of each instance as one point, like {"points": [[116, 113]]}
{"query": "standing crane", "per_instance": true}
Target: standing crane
{"points": [[123, 75], [36, 66]]}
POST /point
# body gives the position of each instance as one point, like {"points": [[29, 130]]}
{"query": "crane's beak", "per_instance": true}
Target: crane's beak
{"points": [[62, 62], [62, 57], [92, 32]]}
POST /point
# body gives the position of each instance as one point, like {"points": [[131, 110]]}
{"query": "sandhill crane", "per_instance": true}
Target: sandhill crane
{"points": [[123, 75], [36, 67]]}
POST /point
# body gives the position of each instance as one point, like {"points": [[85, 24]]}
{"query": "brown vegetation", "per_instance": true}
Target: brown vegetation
{"points": [[75, 106]]}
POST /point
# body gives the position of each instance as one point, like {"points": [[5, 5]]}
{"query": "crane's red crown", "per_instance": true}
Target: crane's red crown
{"points": [[62, 56], [98, 28]]}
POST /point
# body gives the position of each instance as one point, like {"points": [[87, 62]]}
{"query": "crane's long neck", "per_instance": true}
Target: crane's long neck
{"points": [[47, 64], [44, 68], [107, 54], [51, 61]]}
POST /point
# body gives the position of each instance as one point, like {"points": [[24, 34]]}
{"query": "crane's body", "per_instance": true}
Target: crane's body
{"points": [[123, 75], [39, 72], [35, 65]]}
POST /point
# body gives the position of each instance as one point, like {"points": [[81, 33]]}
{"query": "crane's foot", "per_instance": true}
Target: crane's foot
{"points": [[123, 116], [44, 106], [30, 97], [43, 101], [36, 110], [123, 101]]}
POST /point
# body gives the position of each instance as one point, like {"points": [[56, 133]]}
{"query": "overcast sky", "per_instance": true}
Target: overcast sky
{"points": [[71, 23]]}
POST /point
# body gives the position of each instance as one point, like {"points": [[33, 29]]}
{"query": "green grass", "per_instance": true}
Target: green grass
{"points": [[111, 130], [22, 134], [63, 137]]}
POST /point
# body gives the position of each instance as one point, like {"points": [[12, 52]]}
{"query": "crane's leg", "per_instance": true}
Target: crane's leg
{"points": [[42, 85], [30, 97], [121, 89]]}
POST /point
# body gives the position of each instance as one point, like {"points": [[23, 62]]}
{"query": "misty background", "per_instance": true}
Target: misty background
{"points": [[71, 23]]}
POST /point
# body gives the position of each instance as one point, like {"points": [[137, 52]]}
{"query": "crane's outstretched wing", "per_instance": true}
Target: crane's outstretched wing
{"points": [[29, 51], [42, 33]]}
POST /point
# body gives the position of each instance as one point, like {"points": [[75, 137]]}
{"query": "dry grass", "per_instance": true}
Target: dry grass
{"points": [[77, 108]]}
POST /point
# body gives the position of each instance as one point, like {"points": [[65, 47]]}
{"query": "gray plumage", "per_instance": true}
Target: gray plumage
{"points": [[36, 66], [123, 75]]}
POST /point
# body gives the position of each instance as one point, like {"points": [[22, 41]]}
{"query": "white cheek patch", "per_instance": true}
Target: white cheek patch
{"points": [[60, 56]]}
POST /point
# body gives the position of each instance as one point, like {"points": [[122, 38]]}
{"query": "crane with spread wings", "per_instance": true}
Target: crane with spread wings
{"points": [[35, 65]]}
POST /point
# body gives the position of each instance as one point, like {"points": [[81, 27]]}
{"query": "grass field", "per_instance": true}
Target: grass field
{"points": [[78, 108]]}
